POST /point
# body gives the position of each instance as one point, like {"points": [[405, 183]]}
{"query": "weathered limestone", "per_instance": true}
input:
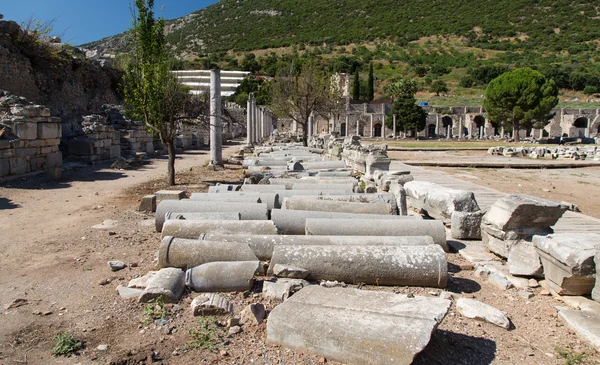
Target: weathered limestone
{"points": [[148, 204], [471, 308], [439, 201], [216, 125], [186, 253], [568, 260], [517, 218], [222, 276], [290, 272], [585, 323], [378, 227], [596, 291], [167, 283], [169, 195], [282, 289], [142, 281], [210, 304], [193, 229], [222, 188], [323, 165], [248, 211], [201, 216], [386, 198], [271, 199], [279, 189], [400, 194], [289, 183], [294, 221], [263, 245], [378, 265], [300, 203], [466, 225], [356, 326], [523, 260]]}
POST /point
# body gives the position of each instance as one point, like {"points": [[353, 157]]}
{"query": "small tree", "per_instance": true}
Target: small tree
{"points": [[439, 86], [371, 84], [356, 86], [520, 97], [152, 93], [409, 115], [298, 96], [590, 90]]}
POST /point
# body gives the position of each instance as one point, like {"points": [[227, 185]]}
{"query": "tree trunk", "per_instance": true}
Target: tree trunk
{"points": [[171, 164], [305, 132], [516, 130]]}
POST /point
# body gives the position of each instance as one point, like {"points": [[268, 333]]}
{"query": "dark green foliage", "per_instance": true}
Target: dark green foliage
{"points": [[409, 115], [371, 84], [519, 98], [66, 344], [439, 86], [356, 86], [467, 81], [252, 84], [590, 90], [486, 73]]}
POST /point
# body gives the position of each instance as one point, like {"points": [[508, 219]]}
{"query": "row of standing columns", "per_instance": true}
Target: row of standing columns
{"points": [[259, 122]]}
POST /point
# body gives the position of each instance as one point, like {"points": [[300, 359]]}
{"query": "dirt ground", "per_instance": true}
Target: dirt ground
{"points": [[56, 261], [579, 186]]}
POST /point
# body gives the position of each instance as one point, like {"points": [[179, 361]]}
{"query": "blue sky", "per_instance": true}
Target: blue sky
{"points": [[82, 21]]}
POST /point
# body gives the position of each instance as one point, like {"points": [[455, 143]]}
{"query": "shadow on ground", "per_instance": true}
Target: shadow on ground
{"points": [[462, 285], [448, 347], [7, 204]]}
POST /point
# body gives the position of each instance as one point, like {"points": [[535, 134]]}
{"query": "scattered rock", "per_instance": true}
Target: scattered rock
{"points": [[128, 293], [116, 265], [208, 304], [471, 308], [525, 294], [102, 347], [332, 284], [545, 292], [103, 281], [233, 321], [253, 314], [291, 272], [16, 303], [533, 283], [499, 281], [235, 330], [142, 281]]}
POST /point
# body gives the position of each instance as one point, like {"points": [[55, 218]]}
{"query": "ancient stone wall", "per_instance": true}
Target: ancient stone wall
{"points": [[29, 138]]}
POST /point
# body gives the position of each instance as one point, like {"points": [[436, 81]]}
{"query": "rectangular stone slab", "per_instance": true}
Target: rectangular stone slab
{"points": [[355, 326], [439, 201]]}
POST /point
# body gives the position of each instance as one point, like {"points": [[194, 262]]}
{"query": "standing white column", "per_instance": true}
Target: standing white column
{"points": [[358, 127], [383, 125], [216, 127], [256, 131], [437, 125], [372, 126], [394, 127], [249, 120], [347, 126]]}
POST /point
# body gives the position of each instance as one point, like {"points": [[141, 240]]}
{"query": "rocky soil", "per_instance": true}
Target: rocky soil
{"points": [[55, 260]]}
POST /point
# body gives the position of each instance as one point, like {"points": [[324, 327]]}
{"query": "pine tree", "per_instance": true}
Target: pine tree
{"points": [[356, 86], [371, 84]]}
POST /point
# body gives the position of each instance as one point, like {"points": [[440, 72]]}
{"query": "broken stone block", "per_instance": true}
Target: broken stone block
{"points": [[253, 314], [596, 291], [128, 293], [116, 265], [568, 260], [499, 281], [585, 323], [439, 201], [209, 304], [142, 281], [516, 218], [222, 276], [282, 288], [291, 272], [187, 253], [148, 204], [356, 326], [169, 195], [466, 225], [167, 283], [523, 260], [471, 308]]}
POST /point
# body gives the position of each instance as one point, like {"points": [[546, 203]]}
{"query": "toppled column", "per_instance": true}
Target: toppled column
{"points": [[187, 253], [293, 222], [568, 260], [193, 229], [222, 276], [515, 219], [378, 227], [384, 198], [438, 201], [400, 194], [300, 203], [271, 199], [377, 265], [356, 326], [210, 304], [230, 216], [167, 283], [263, 245], [248, 211]]}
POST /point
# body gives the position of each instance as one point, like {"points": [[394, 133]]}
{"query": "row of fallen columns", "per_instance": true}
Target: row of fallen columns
{"points": [[259, 122]]}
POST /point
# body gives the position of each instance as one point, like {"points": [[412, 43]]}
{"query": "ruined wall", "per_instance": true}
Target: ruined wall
{"points": [[71, 87], [29, 138]]}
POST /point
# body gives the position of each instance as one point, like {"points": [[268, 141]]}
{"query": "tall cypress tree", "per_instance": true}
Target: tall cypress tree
{"points": [[371, 84], [356, 86]]}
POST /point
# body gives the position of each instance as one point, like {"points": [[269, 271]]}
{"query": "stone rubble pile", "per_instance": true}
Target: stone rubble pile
{"points": [[29, 138], [560, 152]]}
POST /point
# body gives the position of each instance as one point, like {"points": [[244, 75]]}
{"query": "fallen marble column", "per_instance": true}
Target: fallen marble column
{"points": [[325, 187], [438, 201], [312, 180], [280, 189], [187, 253], [596, 291], [300, 203], [193, 229], [167, 283], [377, 265], [222, 276], [378, 227], [568, 260], [399, 193], [271, 199], [517, 218], [340, 173], [221, 188], [210, 304], [200, 216], [263, 245], [249, 171], [293, 222], [385, 198], [323, 165], [248, 211], [356, 326]]}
